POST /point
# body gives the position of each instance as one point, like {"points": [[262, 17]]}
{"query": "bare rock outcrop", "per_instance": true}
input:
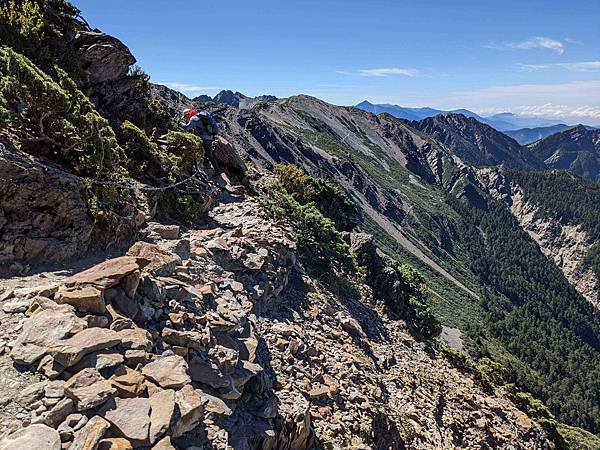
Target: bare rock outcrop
{"points": [[52, 227]]}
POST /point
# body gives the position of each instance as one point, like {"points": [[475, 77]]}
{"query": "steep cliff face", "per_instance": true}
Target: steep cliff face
{"points": [[565, 244], [476, 143]]}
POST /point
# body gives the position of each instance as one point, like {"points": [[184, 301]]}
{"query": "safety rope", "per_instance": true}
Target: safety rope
{"points": [[197, 175]]}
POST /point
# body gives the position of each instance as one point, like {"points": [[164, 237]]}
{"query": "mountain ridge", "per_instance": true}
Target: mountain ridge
{"points": [[576, 149], [506, 121]]}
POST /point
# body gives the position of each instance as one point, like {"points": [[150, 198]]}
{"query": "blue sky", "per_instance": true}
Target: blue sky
{"points": [[531, 57]]}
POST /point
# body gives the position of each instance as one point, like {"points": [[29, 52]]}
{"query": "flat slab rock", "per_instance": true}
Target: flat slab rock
{"points": [[168, 372], [42, 330], [157, 261], [88, 437], [106, 274], [69, 352], [84, 298], [33, 437], [130, 417], [89, 389]]}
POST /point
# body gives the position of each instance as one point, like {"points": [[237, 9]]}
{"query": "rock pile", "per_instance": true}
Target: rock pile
{"points": [[141, 349]]}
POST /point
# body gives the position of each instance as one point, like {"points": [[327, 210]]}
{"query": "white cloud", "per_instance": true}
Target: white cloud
{"points": [[188, 88], [531, 43], [575, 101], [388, 71], [583, 66], [559, 111]]}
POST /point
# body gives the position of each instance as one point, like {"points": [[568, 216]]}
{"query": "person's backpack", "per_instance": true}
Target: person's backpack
{"points": [[190, 113]]}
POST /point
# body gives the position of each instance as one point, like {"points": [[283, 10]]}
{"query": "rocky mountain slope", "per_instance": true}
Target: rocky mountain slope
{"points": [[216, 339], [162, 292], [576, 149], [424, 204], [476, 143]]}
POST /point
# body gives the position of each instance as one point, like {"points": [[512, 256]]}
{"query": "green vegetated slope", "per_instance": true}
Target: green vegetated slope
{"points": [[570, 199], [46, 111], [523, 313]]}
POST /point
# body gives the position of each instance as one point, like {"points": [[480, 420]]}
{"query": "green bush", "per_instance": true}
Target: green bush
{"points": [[67, 126], [578, 439], [489, 374], [412, 304], [187, 147], [42, 30], [327, 197], [319, 243]]}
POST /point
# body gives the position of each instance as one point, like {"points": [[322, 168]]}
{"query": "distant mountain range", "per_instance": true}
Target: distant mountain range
{"points": [[235, 99], [502, 122]]}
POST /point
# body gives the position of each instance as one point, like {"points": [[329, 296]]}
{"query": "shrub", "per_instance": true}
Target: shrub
{"points": [[327, 197], [142, 154], [186, 146], [537, 410], [319, 243], [69, 128], [42, 31], [412, 304], [489, 374]]}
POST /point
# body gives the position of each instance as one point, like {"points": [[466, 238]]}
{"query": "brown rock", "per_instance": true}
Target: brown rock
{"points": [[106, 274], [84, 298], [318, 391], [38, 437], [128, 382], [130, 417], [69, 352], [168, 372], [49, 367], [191, 409], [165, 231], [131, 282], [59, 412], [88, 389], [164, 444], [208, 373], [135, 357], [122, 303], [352, 327], [115, 444], [42, 330], [159, 261], [163, 406], [215, 405], [88, 437], [226, 155], [190, 339], [136, 339]]}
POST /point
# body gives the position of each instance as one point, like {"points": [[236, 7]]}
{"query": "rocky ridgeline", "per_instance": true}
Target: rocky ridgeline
{"points": [[143, 348], [216, 339]]}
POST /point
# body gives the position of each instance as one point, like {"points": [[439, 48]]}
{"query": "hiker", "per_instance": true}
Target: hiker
{"points": [[201, 123]]}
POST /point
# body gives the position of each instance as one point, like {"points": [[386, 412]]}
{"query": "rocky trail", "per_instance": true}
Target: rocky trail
{"points": [[216, 338]]}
